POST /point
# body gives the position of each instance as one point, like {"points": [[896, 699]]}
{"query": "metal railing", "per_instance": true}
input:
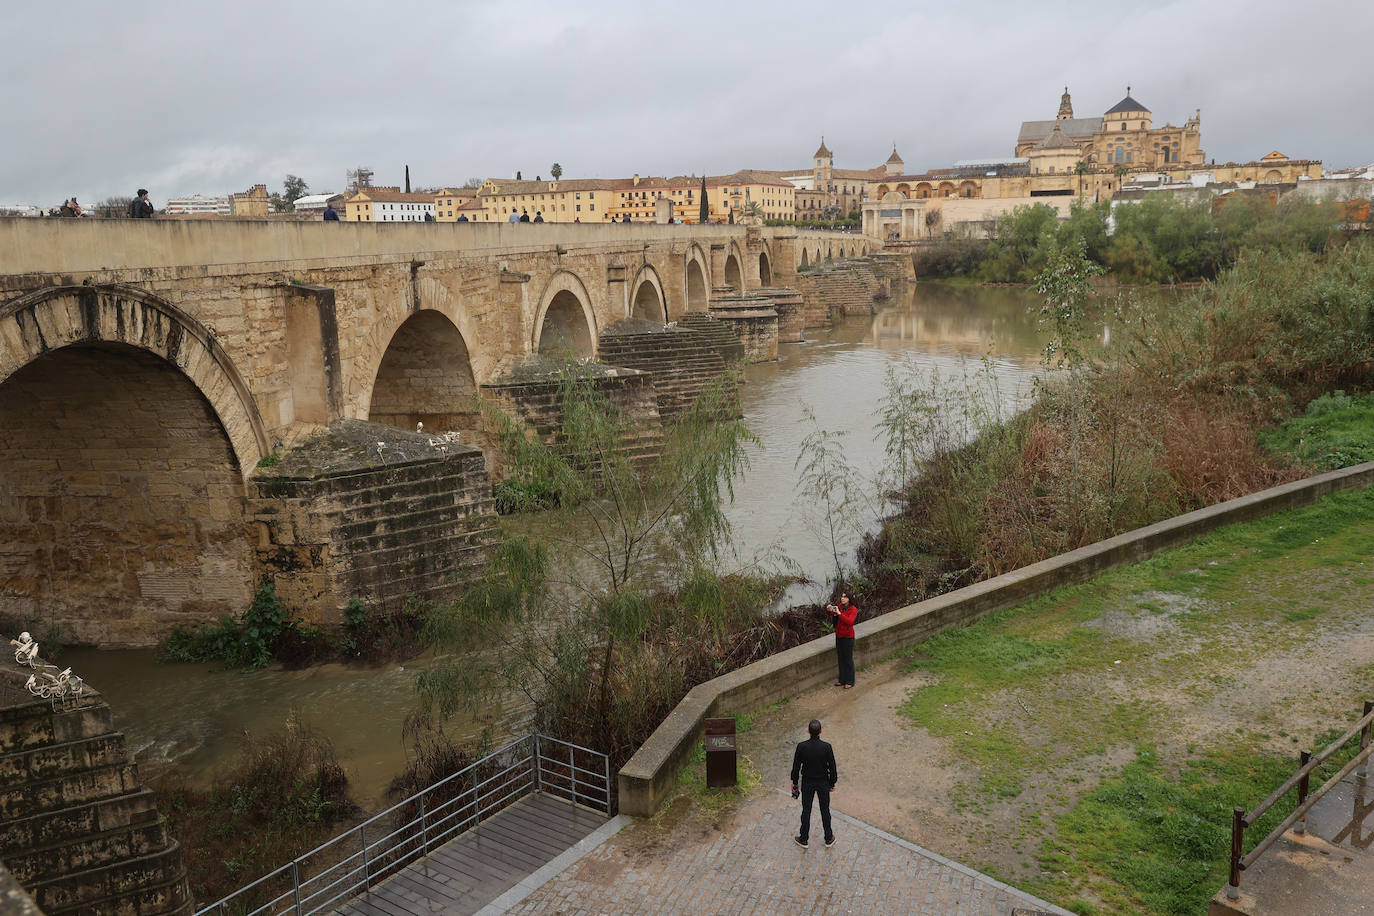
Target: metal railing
{"points": [[353, 862], [1307, 763]]}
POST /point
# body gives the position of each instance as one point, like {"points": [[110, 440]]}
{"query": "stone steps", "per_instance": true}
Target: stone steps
{"points": [[401, 520], [82, 853], [89, 818], [77, 830], [683, 363], [149, 885], [30, 798]]}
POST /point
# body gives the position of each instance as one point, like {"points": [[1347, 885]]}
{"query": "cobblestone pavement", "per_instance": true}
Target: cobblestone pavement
{"points": [[752, 867]]}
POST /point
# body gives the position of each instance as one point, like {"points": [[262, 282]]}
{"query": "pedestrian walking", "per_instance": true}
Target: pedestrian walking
{"points": [[538, 216], [524, 215], [845, 614], [813, 778], [141, 207], [514, 216], [330, 214]]}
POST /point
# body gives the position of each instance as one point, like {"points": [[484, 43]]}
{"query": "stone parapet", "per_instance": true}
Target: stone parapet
{"points": [[647, 777]]}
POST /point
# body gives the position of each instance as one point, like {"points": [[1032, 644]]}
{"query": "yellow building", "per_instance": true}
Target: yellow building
{"points": [[448, 203]]}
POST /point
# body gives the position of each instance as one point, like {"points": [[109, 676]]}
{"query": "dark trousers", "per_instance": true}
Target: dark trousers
{"points": [[844, 654], [821, 791]]}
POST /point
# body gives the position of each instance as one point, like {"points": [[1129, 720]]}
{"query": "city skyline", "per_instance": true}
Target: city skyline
{"points": [[185, 101]]}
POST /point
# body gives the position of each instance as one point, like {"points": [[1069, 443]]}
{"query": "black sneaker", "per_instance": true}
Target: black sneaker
{"points": [[830, 842], [800, 842]]}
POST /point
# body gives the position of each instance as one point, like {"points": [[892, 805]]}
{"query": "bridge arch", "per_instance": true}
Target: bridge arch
{"points": [[765, 270], [128, 438], [425, 376], [565, 323], [696, 279], [648, 300], [734, 276], [805, 262]]}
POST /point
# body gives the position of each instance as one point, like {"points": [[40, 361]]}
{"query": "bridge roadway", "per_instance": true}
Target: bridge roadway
{"points": [[148, 367]]}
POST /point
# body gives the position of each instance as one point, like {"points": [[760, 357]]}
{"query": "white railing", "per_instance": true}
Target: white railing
{"points": [[353, 862]]}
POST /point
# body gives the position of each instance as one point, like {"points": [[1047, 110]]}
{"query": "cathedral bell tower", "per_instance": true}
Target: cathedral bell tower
{"points": [[1065, 106]]}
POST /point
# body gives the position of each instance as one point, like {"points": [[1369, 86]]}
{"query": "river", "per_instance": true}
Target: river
{"points": [[194, 716]]}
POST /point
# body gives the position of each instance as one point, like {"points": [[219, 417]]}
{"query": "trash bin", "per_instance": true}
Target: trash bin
{"points": [[721, 753]]}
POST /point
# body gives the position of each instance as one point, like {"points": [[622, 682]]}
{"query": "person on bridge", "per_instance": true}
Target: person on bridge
{"points": [[845, 614], [814, 762], [330, 214], [141, 207], [514, 216], [524, 216], [538, 216]]}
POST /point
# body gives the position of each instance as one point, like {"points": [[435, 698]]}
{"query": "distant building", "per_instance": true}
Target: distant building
{"points": [[449, 202], [387, 205], [317, 202], [251, 204], [198, 205], [20, 210]]}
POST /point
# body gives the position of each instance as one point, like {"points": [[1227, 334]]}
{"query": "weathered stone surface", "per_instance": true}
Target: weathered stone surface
{"points": [[77, 830], [146, 368]]}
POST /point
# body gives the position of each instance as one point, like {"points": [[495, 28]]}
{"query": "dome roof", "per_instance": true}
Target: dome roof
{"points": [[1056, 140]]}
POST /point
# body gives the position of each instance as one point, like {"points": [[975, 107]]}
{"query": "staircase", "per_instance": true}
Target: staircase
{"points": [[684, 362], [79, 832], [839, 288]]}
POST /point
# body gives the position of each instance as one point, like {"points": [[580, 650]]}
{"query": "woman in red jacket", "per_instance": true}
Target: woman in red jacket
{"points": [[845, 614]]}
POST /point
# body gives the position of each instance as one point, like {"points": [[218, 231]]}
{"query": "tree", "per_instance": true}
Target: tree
{"points": [[293, 187], [1080, 168], [581, 633], [113, 207], [833, 485], [517, 175], [704, 213], [473, 183], [556, 171]]}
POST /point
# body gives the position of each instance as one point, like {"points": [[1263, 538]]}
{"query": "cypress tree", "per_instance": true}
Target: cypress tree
{"points": [[704, 216]]}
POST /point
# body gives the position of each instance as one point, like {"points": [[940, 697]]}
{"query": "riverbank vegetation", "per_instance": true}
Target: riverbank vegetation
{"points": [[1165, 418], [623, 604], [284, 795], [1157, 239], [267, 632]]}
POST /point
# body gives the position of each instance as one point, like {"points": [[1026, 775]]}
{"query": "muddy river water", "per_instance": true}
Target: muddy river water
{"points": [[194, 717]]}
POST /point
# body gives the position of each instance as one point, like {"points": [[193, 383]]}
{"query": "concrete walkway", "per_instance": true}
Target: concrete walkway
{"points": [[747, 863]]}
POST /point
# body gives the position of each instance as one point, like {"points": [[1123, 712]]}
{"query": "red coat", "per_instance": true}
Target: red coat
{"points": [[844, 621]]}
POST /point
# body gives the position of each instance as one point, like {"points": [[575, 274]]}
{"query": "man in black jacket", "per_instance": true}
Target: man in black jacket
{"points": [[814, 761]]}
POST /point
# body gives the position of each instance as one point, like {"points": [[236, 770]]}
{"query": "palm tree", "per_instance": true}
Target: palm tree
{"points": [[1080, 168], [556, 171]]}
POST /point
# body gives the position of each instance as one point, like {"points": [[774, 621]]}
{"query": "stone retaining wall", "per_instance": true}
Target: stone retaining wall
{"points": [[646, 778]]}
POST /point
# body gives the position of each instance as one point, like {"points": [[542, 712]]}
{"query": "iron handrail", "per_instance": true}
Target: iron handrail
{"points": [[525, 767], [1308, 763]]}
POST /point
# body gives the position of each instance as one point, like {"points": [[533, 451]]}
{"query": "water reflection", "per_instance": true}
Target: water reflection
{"points": [[956, 332], [193, 716]]}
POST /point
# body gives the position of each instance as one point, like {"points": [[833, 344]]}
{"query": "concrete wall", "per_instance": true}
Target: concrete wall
{"points": [[647, 777]]}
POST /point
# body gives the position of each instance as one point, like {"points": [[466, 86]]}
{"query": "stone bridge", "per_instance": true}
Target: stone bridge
{"points": [[152, 371]]}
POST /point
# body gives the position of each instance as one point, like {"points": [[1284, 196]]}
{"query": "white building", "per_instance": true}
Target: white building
{"points": [[198, 203], [317, 202]]}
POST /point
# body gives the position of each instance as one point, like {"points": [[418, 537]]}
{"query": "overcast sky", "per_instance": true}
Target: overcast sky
{"points": [[192, 97]]}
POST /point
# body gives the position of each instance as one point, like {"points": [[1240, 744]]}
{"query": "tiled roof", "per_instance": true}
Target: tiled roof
{"points": [[1056, 140], [822, 151], [1127, 104], [1077, 128], [380, 195], [894, 157]]}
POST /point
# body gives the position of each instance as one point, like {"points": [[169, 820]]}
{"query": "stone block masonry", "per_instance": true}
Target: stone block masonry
{"points": [[683, 361], [371, 512], [77, 829], [121, 504]]}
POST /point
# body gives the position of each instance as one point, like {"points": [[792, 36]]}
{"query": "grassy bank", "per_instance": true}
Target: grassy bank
{"points": [[1204, 670], [1178, 412]]}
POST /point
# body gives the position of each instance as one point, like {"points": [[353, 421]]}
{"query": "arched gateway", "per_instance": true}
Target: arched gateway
{"points": [[128, 436]]}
